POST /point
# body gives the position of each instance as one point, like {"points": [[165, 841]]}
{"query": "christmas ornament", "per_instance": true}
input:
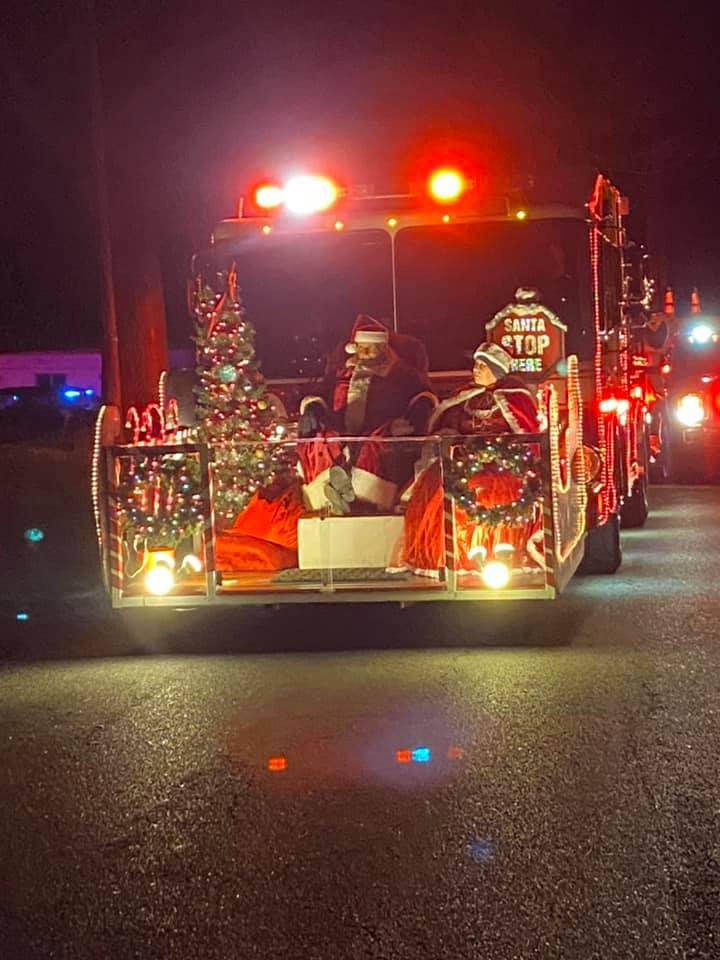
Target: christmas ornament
{"points": [[227, 373]]}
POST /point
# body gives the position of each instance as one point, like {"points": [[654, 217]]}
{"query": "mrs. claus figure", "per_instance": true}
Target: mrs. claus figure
{"points": [[494, 402]]}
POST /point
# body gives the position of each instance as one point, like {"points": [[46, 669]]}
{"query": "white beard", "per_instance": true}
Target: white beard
{"points": [[357, 399]]}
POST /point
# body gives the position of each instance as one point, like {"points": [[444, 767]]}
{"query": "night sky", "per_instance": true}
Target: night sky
{"points": [[200, 97]]}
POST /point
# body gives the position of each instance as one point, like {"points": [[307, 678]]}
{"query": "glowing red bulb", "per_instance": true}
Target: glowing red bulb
{"points": [[447, 185]]}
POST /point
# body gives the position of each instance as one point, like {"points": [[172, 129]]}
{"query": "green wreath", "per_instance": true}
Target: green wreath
{"points": [[178, 512], [478, 456]]}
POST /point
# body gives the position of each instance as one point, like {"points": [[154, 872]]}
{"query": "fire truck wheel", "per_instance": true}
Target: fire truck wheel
{"points": [[635, 509], [663, 463], [602, 548], [656, 466]]}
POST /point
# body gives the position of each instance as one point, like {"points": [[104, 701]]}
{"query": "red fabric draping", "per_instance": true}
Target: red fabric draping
{"points": [[264, 535], [424, 521]]}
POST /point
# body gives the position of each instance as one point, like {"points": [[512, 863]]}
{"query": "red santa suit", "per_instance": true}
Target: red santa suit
{"points": [[357, 402], [365, 399], [505, 407]]}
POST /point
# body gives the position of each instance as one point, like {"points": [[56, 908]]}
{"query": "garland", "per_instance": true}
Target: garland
{"points": [[497, 457]]}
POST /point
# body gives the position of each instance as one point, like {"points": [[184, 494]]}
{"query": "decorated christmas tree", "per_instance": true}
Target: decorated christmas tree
{"points": [[234, 414]]}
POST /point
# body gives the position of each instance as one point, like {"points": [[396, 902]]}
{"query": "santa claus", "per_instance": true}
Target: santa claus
{"points": [[378, 389], [495, 402]]}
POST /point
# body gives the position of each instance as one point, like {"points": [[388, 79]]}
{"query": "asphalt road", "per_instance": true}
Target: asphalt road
{"points": [[440, 797]]}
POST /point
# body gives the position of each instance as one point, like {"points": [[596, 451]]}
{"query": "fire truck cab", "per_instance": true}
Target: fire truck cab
{"points": [[688, 413], [450, 266]]}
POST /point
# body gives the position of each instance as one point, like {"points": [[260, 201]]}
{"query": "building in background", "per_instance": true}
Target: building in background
{"points": [[51, 370]]}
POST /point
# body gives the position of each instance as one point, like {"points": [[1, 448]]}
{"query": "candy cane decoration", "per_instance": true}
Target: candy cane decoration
{"points": [[133, 422], [162, 389], [172, 417], [152, 416]]}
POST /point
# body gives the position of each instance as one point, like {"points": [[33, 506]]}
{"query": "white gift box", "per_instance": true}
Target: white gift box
{"points": [[341, 542]]}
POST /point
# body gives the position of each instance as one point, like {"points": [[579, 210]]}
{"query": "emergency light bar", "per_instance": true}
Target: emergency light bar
{"points": [[301, 195], [307, 194]]}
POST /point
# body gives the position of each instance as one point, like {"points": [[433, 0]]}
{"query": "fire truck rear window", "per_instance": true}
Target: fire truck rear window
{"points": [[303, 293], [452, 279]]}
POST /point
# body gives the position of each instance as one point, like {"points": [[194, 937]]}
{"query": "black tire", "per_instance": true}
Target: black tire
{"points": [[635, 508], [659, 470], [666, 453], [603, 553]]}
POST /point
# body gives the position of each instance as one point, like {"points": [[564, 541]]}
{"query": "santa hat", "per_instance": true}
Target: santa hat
{"points": [[495, 357], [367, 330]]}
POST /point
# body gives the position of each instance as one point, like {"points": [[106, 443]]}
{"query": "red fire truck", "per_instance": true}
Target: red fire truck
{"points": [[688, 411], [448, 264]]}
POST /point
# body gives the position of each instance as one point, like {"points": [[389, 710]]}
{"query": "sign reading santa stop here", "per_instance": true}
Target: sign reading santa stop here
{"points": [[531, 333]]}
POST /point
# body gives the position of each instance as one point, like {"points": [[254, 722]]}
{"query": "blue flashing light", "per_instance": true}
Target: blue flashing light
{"points": [[89, 392], [70, 393], [22, 615], [421, 755], [34, 535], [15, 397]]}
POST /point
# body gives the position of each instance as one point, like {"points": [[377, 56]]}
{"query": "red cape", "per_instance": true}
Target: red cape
{"points": [[508, 405]]}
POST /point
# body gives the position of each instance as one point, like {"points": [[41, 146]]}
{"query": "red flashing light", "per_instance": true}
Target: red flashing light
{"points": [[447, 185], [403, 756], [665, 369], [275, 764], [268, 196], [608, 405]]}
